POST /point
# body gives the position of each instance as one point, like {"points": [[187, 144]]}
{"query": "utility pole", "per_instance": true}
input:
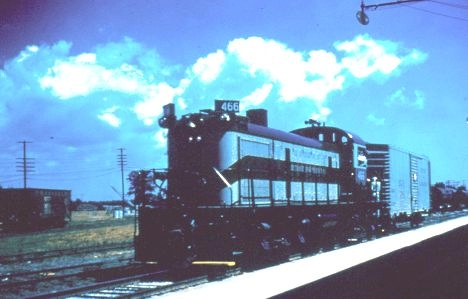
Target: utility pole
{"points": [[122, 161], [25, 164]]}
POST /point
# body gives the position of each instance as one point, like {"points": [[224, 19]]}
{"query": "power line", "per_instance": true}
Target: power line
{"points": [[438, 13], [455, 5], [76, 177]]}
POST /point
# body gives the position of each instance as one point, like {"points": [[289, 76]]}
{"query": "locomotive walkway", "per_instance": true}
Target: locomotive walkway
{"points": [[429, 262]]}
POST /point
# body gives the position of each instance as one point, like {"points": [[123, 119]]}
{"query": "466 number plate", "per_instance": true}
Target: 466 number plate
{"points": [[227, 106]]}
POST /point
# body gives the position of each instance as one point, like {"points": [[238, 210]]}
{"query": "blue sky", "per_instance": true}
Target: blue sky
{"points": [[80, 79]]}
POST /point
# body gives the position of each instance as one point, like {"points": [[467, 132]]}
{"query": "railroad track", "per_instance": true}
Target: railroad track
{"points": [[441, 217], [138, 286], [29, 283], [17, 279], [41, 255]]}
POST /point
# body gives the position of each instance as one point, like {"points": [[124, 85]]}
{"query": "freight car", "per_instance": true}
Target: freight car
{"points": [[402, 179], [237, 188], [31, 209]]}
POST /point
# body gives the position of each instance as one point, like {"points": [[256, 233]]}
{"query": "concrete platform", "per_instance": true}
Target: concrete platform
{"points": [[429, 262]]}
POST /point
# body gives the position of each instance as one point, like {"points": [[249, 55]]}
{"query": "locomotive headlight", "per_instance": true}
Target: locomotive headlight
{"points": [[191, 124], [193, 223], [194, 139]]}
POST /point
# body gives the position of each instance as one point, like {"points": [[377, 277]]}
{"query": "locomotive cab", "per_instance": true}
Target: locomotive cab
{"points": [[353, 158]]}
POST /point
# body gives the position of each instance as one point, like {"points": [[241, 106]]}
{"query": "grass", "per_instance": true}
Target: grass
{"points": [[86, 229]]}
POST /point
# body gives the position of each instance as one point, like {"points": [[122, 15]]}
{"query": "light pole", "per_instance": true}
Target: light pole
{"points": [[364, 19]]}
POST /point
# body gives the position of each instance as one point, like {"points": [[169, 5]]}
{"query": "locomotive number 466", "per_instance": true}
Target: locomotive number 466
{"points": [[227, 105]]}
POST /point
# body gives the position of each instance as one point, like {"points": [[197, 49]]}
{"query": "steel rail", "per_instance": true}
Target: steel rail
{"points": [[97, 286], [39, 255]]}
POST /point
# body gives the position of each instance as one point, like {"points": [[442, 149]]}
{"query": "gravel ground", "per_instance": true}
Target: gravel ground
{"points": [[69, 260], [113, 257]]}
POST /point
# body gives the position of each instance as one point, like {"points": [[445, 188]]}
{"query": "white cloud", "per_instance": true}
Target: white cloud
{"points": [[86, 74], [323, 63], [400, 98], [208, 68], [82, 75], [379, 121], [365, 57], [28, 52], [296, 74], [156, 96], [420, 99], [109, 117], [257, 97], [415, 56]]}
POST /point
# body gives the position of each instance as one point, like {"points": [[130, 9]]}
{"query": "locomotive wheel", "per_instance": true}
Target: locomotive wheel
{"points": [[300, 241], [357, 234], [258, 246]]}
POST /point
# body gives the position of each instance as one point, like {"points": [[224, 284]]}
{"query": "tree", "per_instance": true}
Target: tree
{"points": [[141, 186]]}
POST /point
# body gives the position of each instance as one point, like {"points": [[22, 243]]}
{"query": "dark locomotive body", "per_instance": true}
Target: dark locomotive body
{"points": [[32, 209], [238, 188]]}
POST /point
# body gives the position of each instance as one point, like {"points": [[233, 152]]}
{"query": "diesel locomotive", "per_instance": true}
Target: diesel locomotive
{"points": [[236, 188]]}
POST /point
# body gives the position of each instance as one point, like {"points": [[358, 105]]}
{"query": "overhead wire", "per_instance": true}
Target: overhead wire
{"points": [[416, 6], [458, 6], [73, 178]]}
